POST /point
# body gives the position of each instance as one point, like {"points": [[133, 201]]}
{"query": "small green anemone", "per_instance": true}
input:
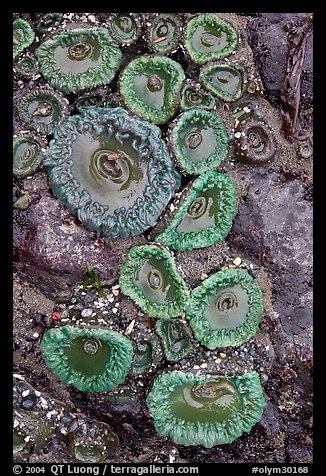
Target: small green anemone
{"points": [[226, 81], [23, 36], [199, 141], [151, 85], [27, 156], [193, 95], [79, 59], [208, 37], [163, 33], [90, 359], [26, 67], [226, 309], [175, 338], [112, 170], [206, 215], [151, 279], [48, 21], [42, 109], [143, 355], [205, 410], [254, 142], [125, 28]]}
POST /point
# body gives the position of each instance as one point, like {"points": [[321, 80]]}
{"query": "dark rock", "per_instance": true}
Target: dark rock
{"points": [[28, 402], [269, 424]]}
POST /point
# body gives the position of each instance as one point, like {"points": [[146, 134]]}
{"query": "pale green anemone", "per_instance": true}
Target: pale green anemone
{"points": [[23, 36]]}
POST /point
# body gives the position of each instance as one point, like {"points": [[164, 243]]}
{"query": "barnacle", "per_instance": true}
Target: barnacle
{"points": [[112, 170], [175, 338], [90, 359], [193, 95], [151, 85], [23, 36], [151, 279], [226, 309], [79, 59], [26, 67], [205, 410], [254, 141], [125, 27], [198, 140], [226, 81], [27, 155], [205, 217], [163, 33], [208, 37], [42, 109]]}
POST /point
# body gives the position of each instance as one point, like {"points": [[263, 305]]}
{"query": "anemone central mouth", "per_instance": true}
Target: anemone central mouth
{"points": [[18, 35], [198, 207], [155, 279], [226, 301], [175, 331], [44, 109], [257, 139], [109, 165], [208, 40], [91, 346], [162, 30], [125, 24], [154, 83], [193, 139], [194, 97], [79, 51], [213, 390], [28, 153], [26, 65]]}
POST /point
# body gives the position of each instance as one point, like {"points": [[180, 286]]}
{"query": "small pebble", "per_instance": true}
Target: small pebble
{"points": [[237, 261], [86, 313]]}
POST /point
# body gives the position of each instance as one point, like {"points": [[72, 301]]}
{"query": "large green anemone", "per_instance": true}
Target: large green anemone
{"points": [[151, 279], [205, 410], [151, 85], [228, 82], [23, 36], [90, 359], [226, 309], [208, 37], [79, 59], [199, 141], [112, 170], [205, 217]]}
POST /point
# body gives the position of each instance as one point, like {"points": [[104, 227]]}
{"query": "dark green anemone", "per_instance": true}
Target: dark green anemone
{"points": [[205, 410], [226, 309], [79, 59], [206, 215], [26, 67], [163, 33], [175, 338], [48, 21], [199, 141], [90, 359], [193, 95], [208, 37], [151, 279], [111, 170], [23, 36], [150, 87], [226, 81], [42, 109], [143, 355], [27, 156], [125, 27], [254, 141]]}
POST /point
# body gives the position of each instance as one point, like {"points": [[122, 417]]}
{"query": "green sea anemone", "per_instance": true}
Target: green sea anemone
{"points": [[112, 170], [23, 36], [254, 142], [48, 21], [125, 28], [27, 155], [150, 87], [175, 338], [143, 356], [205, 217], [205, 410], [226, 309], [90, 359], [26, 67], [193, 95], [208, 37], [198, 140], [226, 81], [42, 109], [151, 279], [163, 33], [79, 59]]}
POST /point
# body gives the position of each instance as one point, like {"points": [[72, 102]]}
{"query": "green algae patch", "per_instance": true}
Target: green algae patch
{"points": [[175, 338], [79, 59], [226, 309], [206, 215], [163, 33], [205, 410], [224, 81], [23, 36], [112, 171], [92, 359], [150, 87], [151, 279], [199, 141], [208, 37]]}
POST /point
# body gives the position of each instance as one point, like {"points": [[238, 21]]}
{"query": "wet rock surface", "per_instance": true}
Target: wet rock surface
{"points": [[271, 237]]}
